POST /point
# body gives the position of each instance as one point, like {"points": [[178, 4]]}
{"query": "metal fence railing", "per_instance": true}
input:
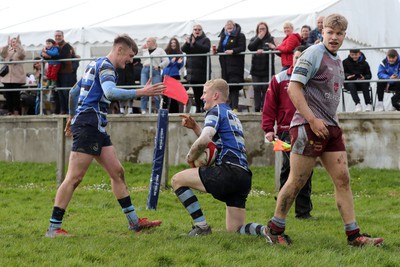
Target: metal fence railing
{"points": [[39, 87]]}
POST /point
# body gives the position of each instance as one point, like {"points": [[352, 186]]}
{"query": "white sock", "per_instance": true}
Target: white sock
{"points": [[202, 224]]}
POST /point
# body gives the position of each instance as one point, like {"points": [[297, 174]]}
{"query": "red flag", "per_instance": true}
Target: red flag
{"points": [[175, 90]]}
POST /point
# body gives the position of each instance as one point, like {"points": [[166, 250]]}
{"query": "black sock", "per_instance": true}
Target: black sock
{"points": [[125, 202], [58, 213]]}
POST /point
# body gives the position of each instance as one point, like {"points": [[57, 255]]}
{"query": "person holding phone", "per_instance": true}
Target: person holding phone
{"points": [[357, 68]]}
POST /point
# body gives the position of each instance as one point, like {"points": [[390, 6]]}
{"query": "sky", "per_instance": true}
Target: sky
{"points": [[42, 15]]}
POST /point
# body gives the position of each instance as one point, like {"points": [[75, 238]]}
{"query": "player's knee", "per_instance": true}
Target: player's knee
{"points": [[342, 182], [119, 174], [175, 181]]}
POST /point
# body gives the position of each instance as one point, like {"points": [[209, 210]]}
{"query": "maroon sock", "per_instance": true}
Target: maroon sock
{"points": [[353, 234]]}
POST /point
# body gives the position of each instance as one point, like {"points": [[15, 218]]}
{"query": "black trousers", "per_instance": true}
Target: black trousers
{"points": [[303, 204], [381, 86], [355, 87]]}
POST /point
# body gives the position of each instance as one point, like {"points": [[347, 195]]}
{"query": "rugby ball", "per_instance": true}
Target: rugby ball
{"points": [[208, 156]]}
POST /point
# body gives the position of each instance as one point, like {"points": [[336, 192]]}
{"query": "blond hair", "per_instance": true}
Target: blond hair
{"points": [[219, 85], [336, 21], [288, 24]]}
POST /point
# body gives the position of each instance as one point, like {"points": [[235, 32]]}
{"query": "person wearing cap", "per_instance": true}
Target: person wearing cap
{"points": [[388, 70], [51, 50]]}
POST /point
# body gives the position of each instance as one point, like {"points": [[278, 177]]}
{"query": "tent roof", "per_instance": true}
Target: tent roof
{"points": [[97, 21], [371, 23]]}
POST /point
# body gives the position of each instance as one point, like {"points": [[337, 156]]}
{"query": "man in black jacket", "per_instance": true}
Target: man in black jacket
{"points": [[66, 75], [196, 66], [357, 68]]}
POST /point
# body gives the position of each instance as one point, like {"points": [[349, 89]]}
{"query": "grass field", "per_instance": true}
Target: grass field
{"points": [[100, 236]]}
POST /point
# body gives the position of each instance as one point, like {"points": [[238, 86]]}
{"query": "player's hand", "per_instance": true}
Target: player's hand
{"points": [[188, 121], [67, 130], [270, 136], [191, 164], [320, 128], [152, 89]]}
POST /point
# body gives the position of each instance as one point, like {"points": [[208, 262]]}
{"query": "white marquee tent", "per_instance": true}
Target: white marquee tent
{"points": [[90, 26]]}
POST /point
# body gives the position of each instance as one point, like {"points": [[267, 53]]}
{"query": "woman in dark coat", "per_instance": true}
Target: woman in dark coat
{"points": [[260, 63], [232, 42]]}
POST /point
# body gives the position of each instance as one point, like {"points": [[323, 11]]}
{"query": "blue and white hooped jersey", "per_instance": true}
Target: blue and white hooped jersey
{"points": [[91, 98], [229, 136]]}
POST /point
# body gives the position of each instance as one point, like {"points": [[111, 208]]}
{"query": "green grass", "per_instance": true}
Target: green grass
{"points": [[101, 238]]}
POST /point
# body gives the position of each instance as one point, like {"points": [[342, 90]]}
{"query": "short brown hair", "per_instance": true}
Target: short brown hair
{"points": [[126, 40], [392, 53], [336, 21]]}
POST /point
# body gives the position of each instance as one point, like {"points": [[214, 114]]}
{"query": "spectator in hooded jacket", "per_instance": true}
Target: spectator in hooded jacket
{"points": [[51, 50], [388, 69], [262, 68], [315, 36], [232, 42], [289, 43], [357, 68], [196, 66], [16, 76]]}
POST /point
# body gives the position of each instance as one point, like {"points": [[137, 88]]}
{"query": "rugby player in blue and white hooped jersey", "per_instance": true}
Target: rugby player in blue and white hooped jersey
{"points": [[89, 101], [314, 89], [229, 180]]}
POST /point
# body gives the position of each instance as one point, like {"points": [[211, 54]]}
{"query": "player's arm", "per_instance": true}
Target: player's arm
{"points": [[190, 123], [113, 93], [318, 126], [200, 144]]}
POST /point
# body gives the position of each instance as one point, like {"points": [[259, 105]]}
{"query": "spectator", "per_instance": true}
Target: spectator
{"points": [[357, 68], [289, 43], [279, 110], [316, 35], [129, 76], [157, 62], [16, 77], [196, 66], [260, 63], [173, 69], [51, 51], [125, 78], [314, 90], [66, 75], [37, 72], [305, 33], [232, 42], [388, 69], [137, 69]]}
